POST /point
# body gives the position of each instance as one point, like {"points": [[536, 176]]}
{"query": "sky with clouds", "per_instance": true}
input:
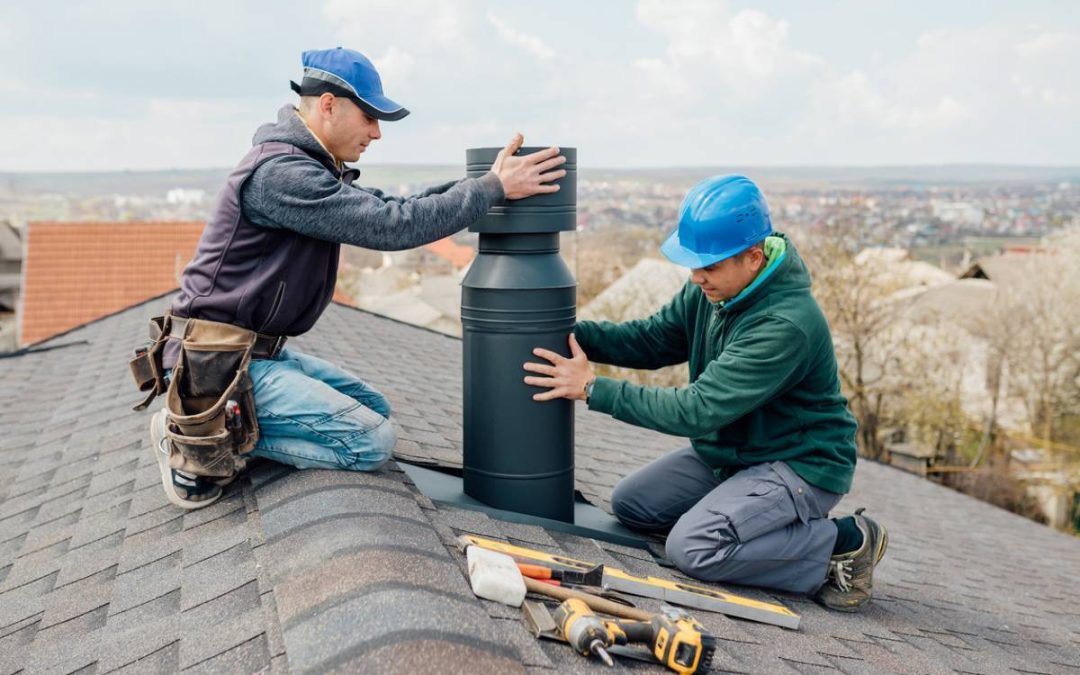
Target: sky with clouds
{"points": [[129, 84]]}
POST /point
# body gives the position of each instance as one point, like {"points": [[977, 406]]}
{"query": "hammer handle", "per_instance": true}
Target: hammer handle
{"points": [[598, 604]]}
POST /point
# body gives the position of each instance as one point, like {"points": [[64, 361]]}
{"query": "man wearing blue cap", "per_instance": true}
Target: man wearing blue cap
{"points": [[772, 442], [267, 262]]}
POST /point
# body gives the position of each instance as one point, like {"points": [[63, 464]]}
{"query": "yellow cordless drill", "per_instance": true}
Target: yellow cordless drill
{"points": [[674, 638]]}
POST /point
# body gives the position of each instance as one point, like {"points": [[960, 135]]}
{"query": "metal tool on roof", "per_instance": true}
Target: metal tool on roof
{"points": [[593, 577], [586, 632], [542, 625], [672, 592], [590, 582], [518, 453], [673, 637]]}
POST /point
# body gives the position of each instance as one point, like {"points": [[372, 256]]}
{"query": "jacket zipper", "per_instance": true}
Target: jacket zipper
{"points": [[713, 333]]}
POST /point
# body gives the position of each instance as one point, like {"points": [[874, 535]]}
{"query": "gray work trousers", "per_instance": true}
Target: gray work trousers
{"points": [[764, 526]]}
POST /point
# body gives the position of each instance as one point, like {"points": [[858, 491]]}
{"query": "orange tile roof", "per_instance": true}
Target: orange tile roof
{"points": [[343, 298], [457, 255], [80, 271]]}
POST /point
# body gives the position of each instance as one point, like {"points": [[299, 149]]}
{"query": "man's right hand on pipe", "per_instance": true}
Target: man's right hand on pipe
{"points": [[526, 175]]}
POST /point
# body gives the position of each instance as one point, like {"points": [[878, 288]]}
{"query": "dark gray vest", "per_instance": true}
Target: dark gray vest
{"points": [[270, 280]]}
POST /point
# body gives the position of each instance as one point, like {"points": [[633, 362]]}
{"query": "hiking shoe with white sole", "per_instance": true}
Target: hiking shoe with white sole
{"points": [[183, 489], [850, 581]]}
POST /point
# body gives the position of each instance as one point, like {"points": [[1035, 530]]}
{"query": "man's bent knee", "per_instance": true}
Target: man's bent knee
{"points": [[626, 505], [700, 550], [372, 449]]}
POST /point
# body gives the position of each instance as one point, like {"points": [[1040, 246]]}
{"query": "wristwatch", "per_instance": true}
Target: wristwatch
{"points": [[589, 388]]}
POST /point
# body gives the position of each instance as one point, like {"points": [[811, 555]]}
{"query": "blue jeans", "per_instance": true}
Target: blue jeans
{"points": [[314, 415]]}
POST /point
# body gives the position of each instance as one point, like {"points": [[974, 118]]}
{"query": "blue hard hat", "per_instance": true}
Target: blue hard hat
{"points": [[720, 217], [347, 73]]}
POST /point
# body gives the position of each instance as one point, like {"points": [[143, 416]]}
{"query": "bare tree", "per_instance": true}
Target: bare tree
{"points": [[1042, 308], [855, 296]]}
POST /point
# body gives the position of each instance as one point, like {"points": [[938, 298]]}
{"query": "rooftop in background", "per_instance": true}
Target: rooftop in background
{"points": [[452, 252], [1005, 268], [80, 271], [10, 244], [10, 267], [321, 571]]}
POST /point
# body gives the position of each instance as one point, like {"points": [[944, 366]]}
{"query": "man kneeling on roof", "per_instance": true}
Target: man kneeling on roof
{"points": [[772, 442], [265, 269]]}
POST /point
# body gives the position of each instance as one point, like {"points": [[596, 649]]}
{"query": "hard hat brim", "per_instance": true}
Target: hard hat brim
{"points": [[684, 257]]}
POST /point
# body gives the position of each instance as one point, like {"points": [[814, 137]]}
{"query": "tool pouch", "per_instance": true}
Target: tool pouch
{"points": [[146, 365], [211, 419]]}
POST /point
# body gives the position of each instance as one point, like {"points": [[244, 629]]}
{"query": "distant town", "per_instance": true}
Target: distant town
{"points": [[941, 214]]}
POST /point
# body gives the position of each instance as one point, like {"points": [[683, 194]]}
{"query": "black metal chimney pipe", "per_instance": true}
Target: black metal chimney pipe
{"points": [[519, 294]]}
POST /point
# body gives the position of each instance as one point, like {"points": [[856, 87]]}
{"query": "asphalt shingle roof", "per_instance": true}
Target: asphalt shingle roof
{"points": [[318, 571]]}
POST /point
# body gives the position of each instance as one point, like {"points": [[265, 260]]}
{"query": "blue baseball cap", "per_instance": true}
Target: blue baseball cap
{"points": [[347, 73]]}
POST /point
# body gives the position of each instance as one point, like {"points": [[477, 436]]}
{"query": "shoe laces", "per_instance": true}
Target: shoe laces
{"points": [[840, 572]]}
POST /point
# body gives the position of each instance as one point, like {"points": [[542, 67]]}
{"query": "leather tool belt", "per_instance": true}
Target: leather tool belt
{"points": [[266, 346], [210, 406]]}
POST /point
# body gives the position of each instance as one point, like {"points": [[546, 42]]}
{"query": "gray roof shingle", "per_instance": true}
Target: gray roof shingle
{"points": [[317, 571]]}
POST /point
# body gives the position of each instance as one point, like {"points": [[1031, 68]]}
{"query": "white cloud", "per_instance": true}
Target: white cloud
{"points": [[529, 43], [380, 24], [717, 53], [659, 82], [161, 133], [972, 94], [852, 99], [396, 65], [1046, 43]]}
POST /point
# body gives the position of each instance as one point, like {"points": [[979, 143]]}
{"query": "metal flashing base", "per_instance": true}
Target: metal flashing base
{"points": [[589, 521]]}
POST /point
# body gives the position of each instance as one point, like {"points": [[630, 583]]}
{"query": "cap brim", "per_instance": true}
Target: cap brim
{"points": [[684, 257], [382, 108]]}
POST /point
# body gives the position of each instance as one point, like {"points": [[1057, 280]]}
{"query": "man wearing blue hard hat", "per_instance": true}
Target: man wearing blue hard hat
{"points": [[772, 442], [265, 270]]}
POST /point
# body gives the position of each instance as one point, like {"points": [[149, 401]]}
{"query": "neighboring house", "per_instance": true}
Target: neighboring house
{"points": [[961, 301], [76, 272], [457, 255], [897, 270], [936, 312], [1054, 484], [319, 571], [643, 289], [429, 301], [914, 458], [11, 254], [951, 317], [637, 294], [421, 286], [1005, 268], [444, 256], [433, 303]]}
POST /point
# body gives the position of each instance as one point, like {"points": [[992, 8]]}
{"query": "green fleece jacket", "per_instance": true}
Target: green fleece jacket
{"points": [[763, 377]]}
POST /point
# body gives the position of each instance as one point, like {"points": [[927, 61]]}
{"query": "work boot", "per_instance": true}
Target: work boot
{"points": [[850, 581], [183, 489]]}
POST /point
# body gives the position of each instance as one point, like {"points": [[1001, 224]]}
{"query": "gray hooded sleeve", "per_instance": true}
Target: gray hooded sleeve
{"points": [[299, 194]]}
